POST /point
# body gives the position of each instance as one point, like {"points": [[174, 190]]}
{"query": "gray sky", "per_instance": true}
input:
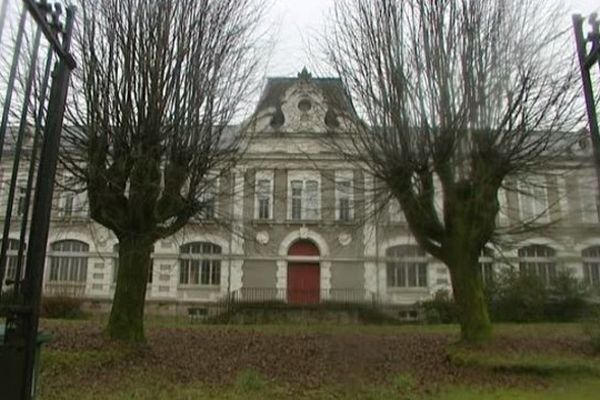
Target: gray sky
{"points": [[295, 24], [296, 21]]}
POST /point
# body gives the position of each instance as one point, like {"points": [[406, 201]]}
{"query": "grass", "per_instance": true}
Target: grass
{"points": [[544, 365], [579, 389], [292, 328], [500, 329], [250, 385], [552, 376], [57, 361]]}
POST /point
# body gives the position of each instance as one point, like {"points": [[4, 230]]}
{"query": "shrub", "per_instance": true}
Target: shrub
{"points": [[62, 307], [6, 300], [518, 297], [566, 299], [591, 327], [592, 330], [441, 309]]}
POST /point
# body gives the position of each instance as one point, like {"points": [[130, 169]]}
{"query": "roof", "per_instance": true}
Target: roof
{"points": [[332, 89]]}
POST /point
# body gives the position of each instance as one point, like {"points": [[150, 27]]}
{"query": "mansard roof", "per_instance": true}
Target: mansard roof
{"points": [[332, 89], [303, 104]]}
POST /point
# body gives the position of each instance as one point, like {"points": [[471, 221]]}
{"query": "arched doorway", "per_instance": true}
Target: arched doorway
{"points": [[303, 277]]}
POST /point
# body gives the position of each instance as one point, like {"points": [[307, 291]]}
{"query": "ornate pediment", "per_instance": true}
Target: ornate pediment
{"points": [[302, 105]]}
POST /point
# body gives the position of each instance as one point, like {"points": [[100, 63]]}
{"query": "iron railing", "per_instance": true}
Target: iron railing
{"points": [[295, 296]]}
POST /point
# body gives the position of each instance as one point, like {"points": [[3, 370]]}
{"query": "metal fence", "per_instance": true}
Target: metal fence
{"points": [[267, 300], [295, 296], [33, 106]]}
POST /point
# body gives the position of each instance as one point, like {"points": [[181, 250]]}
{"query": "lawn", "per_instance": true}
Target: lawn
{"points": [[323, 361]]}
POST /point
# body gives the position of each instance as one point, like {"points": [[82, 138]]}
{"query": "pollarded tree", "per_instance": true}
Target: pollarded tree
{"points": [[157, 86], [466, 93]]}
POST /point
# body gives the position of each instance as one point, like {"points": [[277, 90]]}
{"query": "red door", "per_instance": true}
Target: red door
{"points": [[303, 283]]}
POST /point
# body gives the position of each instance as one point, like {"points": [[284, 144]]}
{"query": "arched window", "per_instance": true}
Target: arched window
{"points": [[406, 266], [591, 265], [12, 257], [69, 261], [200, 264], [538, 260]]}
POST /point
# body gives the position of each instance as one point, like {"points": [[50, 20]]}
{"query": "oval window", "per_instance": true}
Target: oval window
{"points": [[304, 105]]}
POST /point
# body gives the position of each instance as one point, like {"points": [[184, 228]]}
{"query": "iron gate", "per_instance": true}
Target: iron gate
{"points": [[588, 52], [32, 108]]}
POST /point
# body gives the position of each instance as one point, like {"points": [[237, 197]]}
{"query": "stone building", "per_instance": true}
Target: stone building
{"points": [[299, 223]]}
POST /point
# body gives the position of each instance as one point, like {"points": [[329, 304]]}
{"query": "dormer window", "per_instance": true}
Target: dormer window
{"points": [[331, 119], [278, 119], [304, 105]]}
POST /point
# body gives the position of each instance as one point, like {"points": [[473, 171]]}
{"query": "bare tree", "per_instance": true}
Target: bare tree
{"points": [[158, 84], [467, 94]]}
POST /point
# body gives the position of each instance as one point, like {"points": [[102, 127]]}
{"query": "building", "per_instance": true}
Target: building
{"points": [[301, 224]]}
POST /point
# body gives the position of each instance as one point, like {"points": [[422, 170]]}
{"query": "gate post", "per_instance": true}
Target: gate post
{"points": [[42, 203]]}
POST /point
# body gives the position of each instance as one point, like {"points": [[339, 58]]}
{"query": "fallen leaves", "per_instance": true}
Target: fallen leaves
{"points": [[217, 355]]}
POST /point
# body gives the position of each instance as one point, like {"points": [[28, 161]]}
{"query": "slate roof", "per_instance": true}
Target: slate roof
{"points": [[332, 89]]}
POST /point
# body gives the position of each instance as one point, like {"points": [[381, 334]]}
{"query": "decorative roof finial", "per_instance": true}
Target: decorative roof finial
{"points": [[304, 74]]}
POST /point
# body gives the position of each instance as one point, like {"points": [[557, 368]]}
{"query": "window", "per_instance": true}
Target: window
{"points": [[406, 266], [304, 199], [586, 205], [312, 200], [264, 199], [12, 258], [438, 197], [264, 195], [395, 211], [67, 205], [115, 260], [343, 195], [589, 204], [591, 265], [502, 219], [72, 200], [69, 261], [200, 264], [533, 198], [297, 199], [486, 265], [21, 194], [208, 199], [538, 260], [304, 105]]}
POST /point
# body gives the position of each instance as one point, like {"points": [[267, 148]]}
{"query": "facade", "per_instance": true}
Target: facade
{"points": [[301, 224]]}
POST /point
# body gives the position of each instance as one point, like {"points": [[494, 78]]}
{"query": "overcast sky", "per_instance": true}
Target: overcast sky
{"points": [[296, 22]]}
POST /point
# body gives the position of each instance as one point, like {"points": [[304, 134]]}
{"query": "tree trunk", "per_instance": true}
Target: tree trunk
{"points": [[126, 320], [467, 285]]}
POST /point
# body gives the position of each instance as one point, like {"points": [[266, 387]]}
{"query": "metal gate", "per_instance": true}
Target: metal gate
{"points": [[588, 52], [33, 106]]}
